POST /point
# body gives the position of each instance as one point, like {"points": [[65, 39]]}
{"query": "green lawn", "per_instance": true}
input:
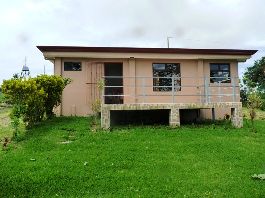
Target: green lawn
{"points": [[191, 161]]}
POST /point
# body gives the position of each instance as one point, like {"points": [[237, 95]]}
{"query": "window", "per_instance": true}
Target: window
{"points": [[163, 73], [72, 66], [220, 72]]}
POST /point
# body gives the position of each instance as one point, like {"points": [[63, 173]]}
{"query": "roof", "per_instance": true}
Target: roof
{"points": [[146, 50]]}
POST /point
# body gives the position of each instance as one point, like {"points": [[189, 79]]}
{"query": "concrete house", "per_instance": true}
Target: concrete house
{"points": [[174, 83]]}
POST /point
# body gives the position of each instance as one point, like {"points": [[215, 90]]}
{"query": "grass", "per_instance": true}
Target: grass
{"points": [[63, 158]]}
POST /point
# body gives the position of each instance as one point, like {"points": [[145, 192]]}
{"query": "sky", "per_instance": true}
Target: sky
{"points": [[24, 24]]}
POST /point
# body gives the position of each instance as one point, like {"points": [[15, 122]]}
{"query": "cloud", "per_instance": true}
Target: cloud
{"points": [[191, 23]]}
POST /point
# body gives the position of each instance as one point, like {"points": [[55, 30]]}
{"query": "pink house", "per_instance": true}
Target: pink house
{"points": [[179, 84]]}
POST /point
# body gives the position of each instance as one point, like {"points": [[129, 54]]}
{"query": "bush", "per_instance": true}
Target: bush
{"points": [[262, 106], [53, 86], [254, 102], [34, 98]]}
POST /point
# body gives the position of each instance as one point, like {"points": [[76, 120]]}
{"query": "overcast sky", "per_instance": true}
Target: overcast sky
{"points": [[24, 24]]}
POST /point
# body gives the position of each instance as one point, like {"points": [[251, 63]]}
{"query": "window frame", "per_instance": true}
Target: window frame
{"points": [[72, 62], [160, 89], [220, 70]]}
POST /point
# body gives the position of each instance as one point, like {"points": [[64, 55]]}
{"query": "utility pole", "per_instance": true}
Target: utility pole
{"points": [[44, 69], [169, 37]]}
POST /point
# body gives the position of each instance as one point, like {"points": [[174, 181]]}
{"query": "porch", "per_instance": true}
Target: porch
{"points": [[175, 93]]}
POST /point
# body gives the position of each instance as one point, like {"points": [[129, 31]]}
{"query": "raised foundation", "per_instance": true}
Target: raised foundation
{"points": [[174, 118]]}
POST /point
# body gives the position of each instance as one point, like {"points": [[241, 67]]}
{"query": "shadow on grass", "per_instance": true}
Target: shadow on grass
{"points": [[82, 125], [207, 124]]}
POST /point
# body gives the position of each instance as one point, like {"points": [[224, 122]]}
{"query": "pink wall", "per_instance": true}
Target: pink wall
{"points": [[77, 96]]}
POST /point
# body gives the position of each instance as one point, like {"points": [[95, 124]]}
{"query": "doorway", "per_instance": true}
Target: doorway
{"points": [[113, 77]]}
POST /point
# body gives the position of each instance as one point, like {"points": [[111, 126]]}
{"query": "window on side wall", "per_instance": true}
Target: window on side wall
{"points": [[72, 66], [162, 76], [220, 72]]}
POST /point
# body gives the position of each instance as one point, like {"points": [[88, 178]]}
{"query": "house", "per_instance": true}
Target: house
{"points": [[184, 83]]}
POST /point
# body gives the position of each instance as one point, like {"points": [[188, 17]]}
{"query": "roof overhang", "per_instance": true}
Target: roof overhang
{"points": [[52, 52]]}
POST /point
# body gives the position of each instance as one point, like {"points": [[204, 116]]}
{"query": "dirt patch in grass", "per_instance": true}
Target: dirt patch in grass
{"points": [[5, 129], [4, 117], [260, 114]]}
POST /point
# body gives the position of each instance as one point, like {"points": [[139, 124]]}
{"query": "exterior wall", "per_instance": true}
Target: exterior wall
{"points": [[79, 95], [75, 94], [221, 112], [58, 71], [188, 68], [77, 100]]}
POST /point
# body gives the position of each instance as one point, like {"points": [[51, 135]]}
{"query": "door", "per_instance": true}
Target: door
{"points": [[94, 77], [113, 77]]}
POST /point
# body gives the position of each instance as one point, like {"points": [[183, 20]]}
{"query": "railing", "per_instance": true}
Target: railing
{"points": [[120, 89]]}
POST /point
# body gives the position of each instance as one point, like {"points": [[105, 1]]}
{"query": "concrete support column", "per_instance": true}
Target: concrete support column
{"points": [[213, 114], [174, 119], [105, 118], [236, 117]]}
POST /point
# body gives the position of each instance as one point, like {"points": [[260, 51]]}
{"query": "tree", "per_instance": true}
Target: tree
{"points": [[243, 94], [254, 77], [254, 80]]}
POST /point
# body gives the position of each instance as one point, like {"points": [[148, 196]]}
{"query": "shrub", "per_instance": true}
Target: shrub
{"points": [[33, 98], [262, 106], [53, 86], [254, 102], [27, 101]]}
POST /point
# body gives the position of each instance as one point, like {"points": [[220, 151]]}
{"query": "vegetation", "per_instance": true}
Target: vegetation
{"points": [[254, 80], [255, 75], [32, 99], [96, 109], [1, 97], [63, 157], [254, 102], [53, 86]]}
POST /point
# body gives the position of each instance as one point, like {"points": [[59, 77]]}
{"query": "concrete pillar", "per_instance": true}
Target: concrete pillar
{"points": [[174, 119], [213, 114], [236, 117], [105, 118]]}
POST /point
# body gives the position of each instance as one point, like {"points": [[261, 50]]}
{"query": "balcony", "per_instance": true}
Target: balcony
{"points": [[170, 93], [169, 90]]}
